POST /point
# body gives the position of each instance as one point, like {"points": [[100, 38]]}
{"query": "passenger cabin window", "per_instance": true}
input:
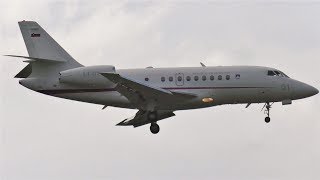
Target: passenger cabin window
{"points": [[219, 77], [146, 79], [227, 77], [211, 77], [170, 78], [204, 78], [196, 78], [179, 78], [188, 78], [163, 79]]}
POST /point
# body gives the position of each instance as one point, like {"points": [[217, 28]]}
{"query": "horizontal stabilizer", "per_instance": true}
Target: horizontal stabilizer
{"points": [[33, 59]]}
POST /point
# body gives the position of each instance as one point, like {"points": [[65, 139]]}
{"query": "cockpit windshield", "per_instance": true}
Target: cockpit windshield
{"points": [[283, 74], [277, 73]]}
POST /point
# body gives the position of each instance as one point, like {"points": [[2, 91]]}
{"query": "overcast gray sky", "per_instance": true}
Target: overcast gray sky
{"points": [[43, 137]]}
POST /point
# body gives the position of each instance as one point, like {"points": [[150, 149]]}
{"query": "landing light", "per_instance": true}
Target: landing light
{"points": [[207, 100]]}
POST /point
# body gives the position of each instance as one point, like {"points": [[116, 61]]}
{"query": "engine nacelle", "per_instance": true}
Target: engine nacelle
{"points": [[86, 76]]}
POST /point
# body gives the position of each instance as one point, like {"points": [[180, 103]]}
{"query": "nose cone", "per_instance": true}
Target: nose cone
{"points": [[315, 91], [303, 90], [311, 91]]}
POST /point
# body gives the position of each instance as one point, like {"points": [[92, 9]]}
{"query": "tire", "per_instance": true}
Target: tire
{"points": [[154, 128], [267, 119]]}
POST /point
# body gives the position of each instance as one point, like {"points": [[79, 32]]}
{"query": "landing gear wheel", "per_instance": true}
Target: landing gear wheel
{"points": [[267, 119], [154, 128]]}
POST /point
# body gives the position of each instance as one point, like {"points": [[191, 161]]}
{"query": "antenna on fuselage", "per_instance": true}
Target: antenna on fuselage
{"points": [[202, 64]]}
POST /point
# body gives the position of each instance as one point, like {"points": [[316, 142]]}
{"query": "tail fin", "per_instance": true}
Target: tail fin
{"points": [[43, 50]]}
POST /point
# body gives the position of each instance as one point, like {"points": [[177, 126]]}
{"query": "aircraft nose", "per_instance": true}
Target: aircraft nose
{"points": [[304, 90], [310, 90], [314, 91]]}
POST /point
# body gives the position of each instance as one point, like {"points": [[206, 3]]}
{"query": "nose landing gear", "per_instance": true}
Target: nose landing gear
{"points": [[267, 111], [267, 119]]}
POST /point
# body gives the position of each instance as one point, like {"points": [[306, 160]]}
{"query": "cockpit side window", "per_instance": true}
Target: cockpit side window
{"points": [[278, 73]]}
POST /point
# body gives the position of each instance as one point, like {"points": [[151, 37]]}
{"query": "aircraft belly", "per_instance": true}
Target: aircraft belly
{"points": [[241, 95], [192, 103], [222, 96]]}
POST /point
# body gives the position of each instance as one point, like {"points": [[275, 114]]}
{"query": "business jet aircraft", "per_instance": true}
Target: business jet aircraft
{"points": [[155, 92]]}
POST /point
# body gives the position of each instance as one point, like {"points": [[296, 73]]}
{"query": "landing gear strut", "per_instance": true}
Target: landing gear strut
{"points": [[267, 112], [152, 116], [154, 128]]}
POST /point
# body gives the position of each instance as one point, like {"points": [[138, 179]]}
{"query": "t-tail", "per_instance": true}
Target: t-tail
{"points": [[46, 57]]}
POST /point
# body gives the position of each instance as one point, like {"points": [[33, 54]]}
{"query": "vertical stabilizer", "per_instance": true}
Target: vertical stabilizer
{"points": [[41, 45]]}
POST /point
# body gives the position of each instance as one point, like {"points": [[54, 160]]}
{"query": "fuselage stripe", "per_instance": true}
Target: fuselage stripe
{"points": [[68, 91]]}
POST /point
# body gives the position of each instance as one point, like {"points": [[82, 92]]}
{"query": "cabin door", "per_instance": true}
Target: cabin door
{"points": [[179, 79]]}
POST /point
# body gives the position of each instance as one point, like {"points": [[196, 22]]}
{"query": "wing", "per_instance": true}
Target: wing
{"points": [[141, 118], [143, 94]]}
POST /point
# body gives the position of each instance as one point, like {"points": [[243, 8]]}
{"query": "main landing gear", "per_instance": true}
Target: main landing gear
{"points": [[267, 111], [152, 117], [154, 128]]}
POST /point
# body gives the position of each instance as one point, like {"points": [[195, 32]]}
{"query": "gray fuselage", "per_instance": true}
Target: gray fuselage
{"points": [[223, 84]]}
